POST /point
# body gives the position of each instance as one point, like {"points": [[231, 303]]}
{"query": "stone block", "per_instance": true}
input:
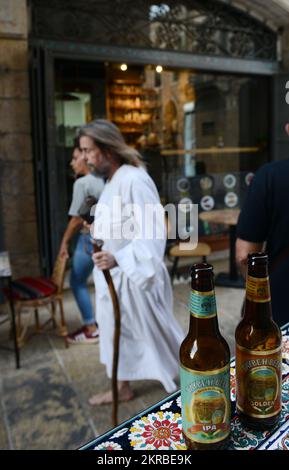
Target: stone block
{"points": [[21, 209], [26, 264], [42, 403], [16, 179], [13, 18], [31, 355], [15, 148], [20, 238], [14, 84], [15, 116], [13, 55]]}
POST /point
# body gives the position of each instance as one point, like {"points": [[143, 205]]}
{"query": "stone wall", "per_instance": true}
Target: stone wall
{"points": [[17, 205]]}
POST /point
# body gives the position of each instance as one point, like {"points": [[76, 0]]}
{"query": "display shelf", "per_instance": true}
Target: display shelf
{"points": [[138, 93], [130, 106], [210, 150], [131, 131]]}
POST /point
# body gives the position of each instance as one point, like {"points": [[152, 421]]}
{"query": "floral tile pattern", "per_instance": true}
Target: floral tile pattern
{"points": [[160, 427], [245, 439], [157, 431], [109, 445], [285, 347], [279, 440]]}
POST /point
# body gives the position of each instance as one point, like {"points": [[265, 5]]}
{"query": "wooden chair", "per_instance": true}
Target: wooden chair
{"points": [[176, 250], [175, 253], [35, 293]]}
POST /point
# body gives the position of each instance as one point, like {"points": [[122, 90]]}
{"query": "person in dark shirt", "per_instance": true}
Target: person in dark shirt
{"points": [[264, 225]]}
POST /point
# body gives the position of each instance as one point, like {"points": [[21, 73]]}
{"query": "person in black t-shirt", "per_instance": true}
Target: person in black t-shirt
{"points": [[264, 225]]}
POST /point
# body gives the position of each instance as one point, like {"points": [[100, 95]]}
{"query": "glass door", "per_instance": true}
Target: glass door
{"points": [[79, 97], [212, 132]]}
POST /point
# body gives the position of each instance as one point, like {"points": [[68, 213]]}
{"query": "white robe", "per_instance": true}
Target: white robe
{"points": [[150, 335]]}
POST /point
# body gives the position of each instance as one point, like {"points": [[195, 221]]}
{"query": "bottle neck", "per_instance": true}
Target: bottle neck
{"points": [[202, 327], [258, 297], [203, 309]]}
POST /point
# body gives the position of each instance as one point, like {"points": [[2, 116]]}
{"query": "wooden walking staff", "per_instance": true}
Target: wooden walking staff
{"points": [[97, 245]]}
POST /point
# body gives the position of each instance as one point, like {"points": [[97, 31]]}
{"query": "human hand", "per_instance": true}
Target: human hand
{"points": [[86, 225], [104, 260]]}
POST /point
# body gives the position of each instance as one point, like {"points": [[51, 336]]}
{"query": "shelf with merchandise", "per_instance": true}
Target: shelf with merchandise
{"points": [[141, 109], [131, 131], [131, 118], [131, 106]]}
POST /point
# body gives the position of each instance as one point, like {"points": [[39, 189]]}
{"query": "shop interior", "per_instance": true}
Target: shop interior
{"points": [[202, 135]]}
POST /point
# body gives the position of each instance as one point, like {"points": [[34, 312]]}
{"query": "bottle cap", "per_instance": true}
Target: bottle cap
{"points": [[201, 267], [257, 258]]}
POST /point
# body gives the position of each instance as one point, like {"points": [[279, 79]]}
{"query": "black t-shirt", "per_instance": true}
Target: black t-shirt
{"points": [[265, 217]]}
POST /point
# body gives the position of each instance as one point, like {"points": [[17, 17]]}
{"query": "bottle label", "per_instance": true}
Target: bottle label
{"points": [[258, 289], [206, 407], [259, 381], [203, 304]]}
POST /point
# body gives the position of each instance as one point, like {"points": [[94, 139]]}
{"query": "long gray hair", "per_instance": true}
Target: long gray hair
{"points": [[109, 139]]}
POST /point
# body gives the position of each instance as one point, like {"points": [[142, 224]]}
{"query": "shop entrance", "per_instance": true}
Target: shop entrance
{"points": [[202, 135], [192, 95]]}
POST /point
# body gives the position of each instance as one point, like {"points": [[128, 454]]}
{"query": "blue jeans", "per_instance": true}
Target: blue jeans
{"points": [[82, 266]]}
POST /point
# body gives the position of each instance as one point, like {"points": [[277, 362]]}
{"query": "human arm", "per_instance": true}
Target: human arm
{"points": [[243, 249], [255, 218], [75, 221], [73, 227]]}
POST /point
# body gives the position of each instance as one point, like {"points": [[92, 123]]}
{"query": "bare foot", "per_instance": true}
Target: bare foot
{"points": [[106, 398]]}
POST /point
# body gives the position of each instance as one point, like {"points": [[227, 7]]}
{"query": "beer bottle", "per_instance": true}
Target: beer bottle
{"points": [[205, 369], [258, 351]]}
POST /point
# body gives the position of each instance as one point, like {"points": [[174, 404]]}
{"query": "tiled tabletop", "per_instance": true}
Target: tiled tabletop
{"points": [[160, 427]]}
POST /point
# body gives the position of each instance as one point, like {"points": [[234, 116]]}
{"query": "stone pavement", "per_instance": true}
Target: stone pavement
{"points": [[44, 404]]}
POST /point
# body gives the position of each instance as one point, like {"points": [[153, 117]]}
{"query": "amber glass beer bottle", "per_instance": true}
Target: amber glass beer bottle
{"points": [[205, 369], [258, 351]]}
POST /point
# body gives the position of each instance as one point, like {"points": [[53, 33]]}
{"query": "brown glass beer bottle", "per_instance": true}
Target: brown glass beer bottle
{"points": [[205, 369], [258, 352]]}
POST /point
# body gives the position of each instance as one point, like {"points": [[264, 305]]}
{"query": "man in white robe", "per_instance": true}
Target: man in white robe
{"points": [[150, 335]]}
